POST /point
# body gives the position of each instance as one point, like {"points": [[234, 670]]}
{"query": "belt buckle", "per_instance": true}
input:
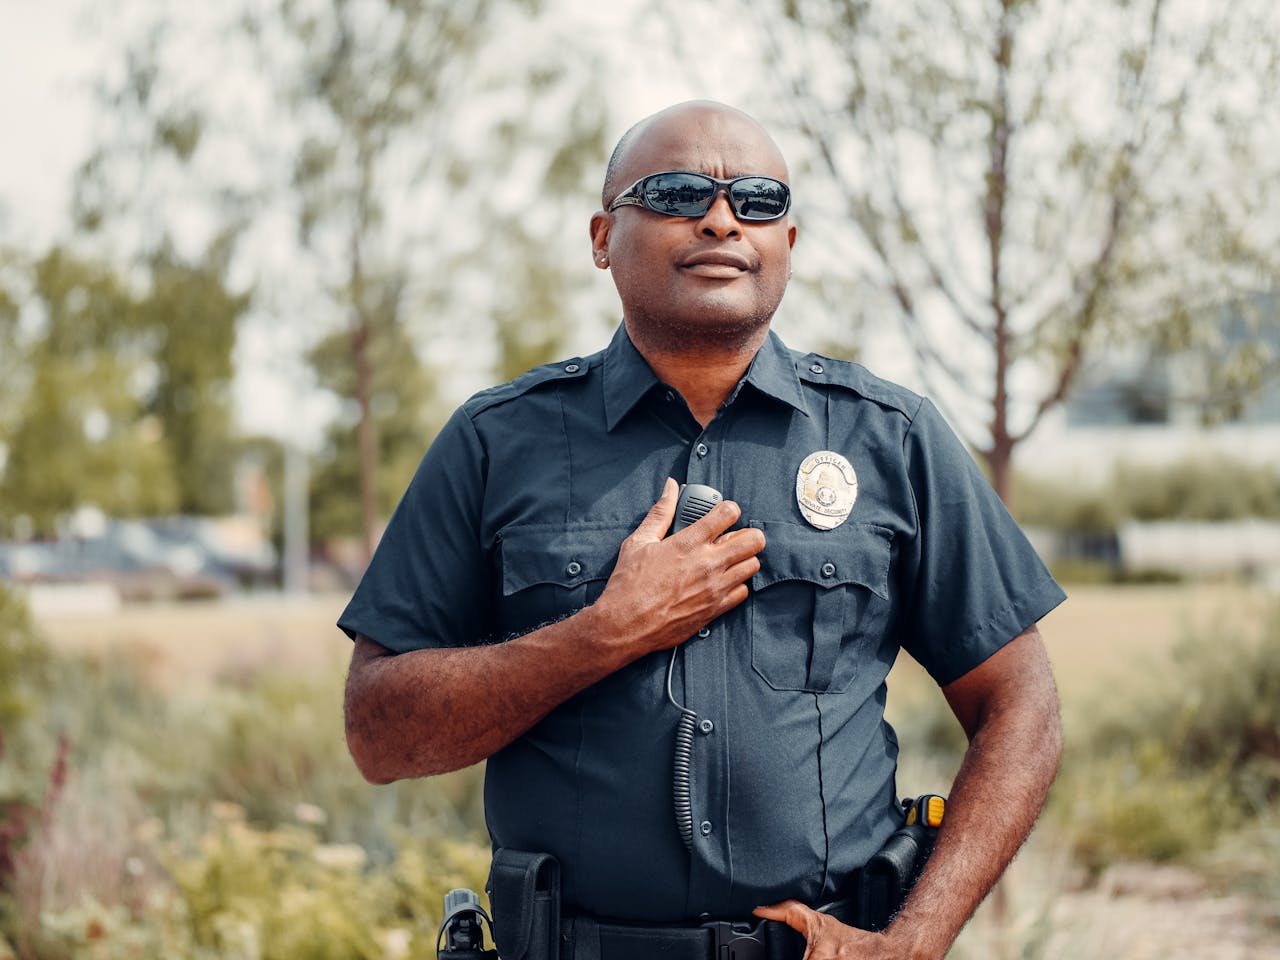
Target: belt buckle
{"points": [[738, 941]]}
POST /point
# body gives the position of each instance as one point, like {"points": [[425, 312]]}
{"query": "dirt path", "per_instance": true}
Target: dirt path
{"points": [[1145, 912]]}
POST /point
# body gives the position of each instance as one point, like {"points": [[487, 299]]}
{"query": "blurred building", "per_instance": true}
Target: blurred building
{"points": [[1147, 406]]}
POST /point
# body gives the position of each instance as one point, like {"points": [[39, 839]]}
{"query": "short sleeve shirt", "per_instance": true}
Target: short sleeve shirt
{"points": [[514, 519]]}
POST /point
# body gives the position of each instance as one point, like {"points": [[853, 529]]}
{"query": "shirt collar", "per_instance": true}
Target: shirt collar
{"points": [[773, 372], [628, 377]]}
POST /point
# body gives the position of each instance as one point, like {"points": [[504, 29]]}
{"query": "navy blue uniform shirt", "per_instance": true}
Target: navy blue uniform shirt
{"points": [[514, 519]]}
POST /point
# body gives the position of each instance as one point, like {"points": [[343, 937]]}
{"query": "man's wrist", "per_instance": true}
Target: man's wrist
{"points": [[604, 634], [916, 937]]}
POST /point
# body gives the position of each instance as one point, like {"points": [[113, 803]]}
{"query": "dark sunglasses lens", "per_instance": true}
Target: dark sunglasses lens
{"points": [[759, 198], [678, 194]]}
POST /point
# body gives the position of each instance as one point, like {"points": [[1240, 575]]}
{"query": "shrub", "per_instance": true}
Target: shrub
{"points": [[243, 891], [1193, 489], [213, 823], [1168, 773]]}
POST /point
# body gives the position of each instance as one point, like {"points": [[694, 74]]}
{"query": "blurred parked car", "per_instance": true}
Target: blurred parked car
{"points": [[230, 547], [171, 558]]}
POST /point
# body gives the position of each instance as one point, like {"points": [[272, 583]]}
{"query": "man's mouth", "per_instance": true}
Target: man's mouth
{"points": [[716, 264]]}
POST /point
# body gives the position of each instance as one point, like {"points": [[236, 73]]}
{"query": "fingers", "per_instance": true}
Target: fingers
{"points": [[791, 912], [743, 570], [657, 521], [719, 519]]}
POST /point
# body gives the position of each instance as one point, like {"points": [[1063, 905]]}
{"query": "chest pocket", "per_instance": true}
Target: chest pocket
{"points": [[552, 570], [820, 603]]}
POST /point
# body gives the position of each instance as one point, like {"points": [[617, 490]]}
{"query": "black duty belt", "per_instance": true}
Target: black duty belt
{"points": [[585, 938]]}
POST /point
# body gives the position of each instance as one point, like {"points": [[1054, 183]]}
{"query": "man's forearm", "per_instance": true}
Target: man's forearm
{"points": [[1003, 781], [431, 711]]}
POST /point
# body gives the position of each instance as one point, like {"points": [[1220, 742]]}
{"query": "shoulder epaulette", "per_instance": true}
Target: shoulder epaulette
{"points": [[571, 369], [817, 369]]}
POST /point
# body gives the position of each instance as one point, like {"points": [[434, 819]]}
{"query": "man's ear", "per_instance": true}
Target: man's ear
{"points": [[601, 223], [791, 235]]}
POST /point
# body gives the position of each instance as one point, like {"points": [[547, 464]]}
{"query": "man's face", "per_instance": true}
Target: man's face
{"points": [[711, 278]]}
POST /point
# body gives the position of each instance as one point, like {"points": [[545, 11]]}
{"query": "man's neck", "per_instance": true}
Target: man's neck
{"points": [[704, 374]]}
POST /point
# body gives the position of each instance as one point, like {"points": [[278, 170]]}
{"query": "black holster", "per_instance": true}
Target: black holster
{"points": [[524, 892], [890, 874]]}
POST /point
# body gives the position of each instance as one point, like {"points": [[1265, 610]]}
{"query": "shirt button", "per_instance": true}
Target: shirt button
{"points": [[705, 828], [704, 632], [828, 570], [706, 726], [572, 368], [816, 368], [702, 449], [670, 396], [574, 568]]}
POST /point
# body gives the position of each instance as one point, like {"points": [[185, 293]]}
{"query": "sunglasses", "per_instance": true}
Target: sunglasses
{"points": [[679, 193]]}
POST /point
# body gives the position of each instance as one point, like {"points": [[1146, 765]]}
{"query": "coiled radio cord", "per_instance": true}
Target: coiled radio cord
{"points": [[682, 762]]}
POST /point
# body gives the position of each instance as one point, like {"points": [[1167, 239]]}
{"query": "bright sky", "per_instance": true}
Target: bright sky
{"points": [[45, 63]]}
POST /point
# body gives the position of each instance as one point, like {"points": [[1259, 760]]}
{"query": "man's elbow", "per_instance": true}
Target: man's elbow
{"points": [[369, 757]]}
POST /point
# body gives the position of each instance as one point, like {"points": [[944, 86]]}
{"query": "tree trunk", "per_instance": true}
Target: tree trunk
{"points": [[368, 437]]}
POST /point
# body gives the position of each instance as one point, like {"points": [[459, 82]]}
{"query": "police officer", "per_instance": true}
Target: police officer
{"points": [[527, 605]]}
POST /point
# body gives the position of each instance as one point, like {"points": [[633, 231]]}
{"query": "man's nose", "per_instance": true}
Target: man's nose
{"points": [[719, 220]]}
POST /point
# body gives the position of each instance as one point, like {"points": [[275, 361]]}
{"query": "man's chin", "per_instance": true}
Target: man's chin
{"points": [[711, 327]]}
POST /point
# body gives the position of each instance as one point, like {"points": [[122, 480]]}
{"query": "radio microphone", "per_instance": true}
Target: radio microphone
{"points": [[694, 503]]}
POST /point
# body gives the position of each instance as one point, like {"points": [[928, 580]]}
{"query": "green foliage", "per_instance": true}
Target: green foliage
{"points": [[193, 316], [223, 822], [1169, 773], [125, 403], [1193, 489], [1198, 489], [242, 891], [82, 432], [1141, 808], [282, 893], [401, 409], [24, 663]]}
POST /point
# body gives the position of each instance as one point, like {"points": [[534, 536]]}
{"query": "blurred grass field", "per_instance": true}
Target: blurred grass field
{"points": [[1102, 635], [175, 784]]}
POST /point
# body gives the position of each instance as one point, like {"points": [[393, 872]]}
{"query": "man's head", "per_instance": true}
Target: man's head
{"points": [[713, 278]]}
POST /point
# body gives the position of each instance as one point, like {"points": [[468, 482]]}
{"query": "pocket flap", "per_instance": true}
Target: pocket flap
{"points": [[852, 553], [563, 554], [521, 885]]}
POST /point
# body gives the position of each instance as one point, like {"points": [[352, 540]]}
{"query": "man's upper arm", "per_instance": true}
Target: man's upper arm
{"points": [[1017, 676], [428, 583]]}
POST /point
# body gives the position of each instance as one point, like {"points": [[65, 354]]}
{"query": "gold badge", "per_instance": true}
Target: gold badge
{"points": [[826, 487]]}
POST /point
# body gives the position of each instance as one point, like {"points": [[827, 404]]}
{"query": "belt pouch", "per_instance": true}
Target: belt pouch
{"points": [[524, 891]]}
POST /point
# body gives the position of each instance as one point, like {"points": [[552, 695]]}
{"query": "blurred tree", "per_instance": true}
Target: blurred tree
{"points": [[367, 76], [83, 434], [400, 390], [355, 171], [190, 317], [1030, 180], [11, 352], [118, 399]]}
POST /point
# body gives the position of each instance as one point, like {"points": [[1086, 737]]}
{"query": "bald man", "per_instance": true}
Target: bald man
{"points": [[530, 605]]}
